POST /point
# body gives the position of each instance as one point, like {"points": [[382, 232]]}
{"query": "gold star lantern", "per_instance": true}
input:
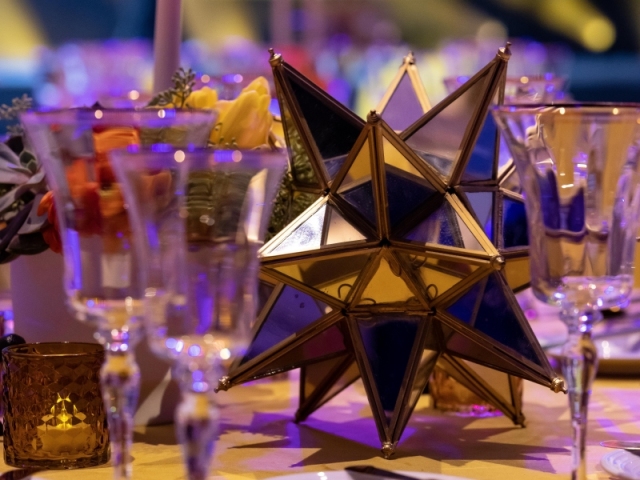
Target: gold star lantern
{"points": [[391, 269]]}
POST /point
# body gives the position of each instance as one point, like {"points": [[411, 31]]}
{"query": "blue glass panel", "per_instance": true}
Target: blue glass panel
{"points": [[439, 228], [361, 197], [333, 165], [514, 224], [576, 221], [292, 312], [497, 319], [404, 195], [388, 341], [333, 133], [480, 166], [482, 206], [463, 308], [549, 200]]}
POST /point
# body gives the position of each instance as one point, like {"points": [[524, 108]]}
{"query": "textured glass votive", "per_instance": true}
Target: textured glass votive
{"points": [[449, 395], [54, 416]]}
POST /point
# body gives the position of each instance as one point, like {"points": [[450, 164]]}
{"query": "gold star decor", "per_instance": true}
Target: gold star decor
{"points": [[406, 101], [392, 268]]}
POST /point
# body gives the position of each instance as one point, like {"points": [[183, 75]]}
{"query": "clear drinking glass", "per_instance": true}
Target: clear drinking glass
{"points": [[578, 165], [89, 214], [199, 217]]}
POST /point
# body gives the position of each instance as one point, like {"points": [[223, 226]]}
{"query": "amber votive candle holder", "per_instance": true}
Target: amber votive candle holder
{"points": [[448, 395], [54, 414]]}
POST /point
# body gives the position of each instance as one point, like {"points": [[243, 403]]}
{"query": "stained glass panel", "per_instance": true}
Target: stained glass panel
{"points": [[403, 107], [307, 236], [332, 131], [498, 319], [483, 157], [292, 311], [386, 287], [388, 342], [442, 136], [334, 276]]}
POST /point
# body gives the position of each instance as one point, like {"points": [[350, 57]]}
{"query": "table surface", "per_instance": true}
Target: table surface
{"points": [[258, 438]]}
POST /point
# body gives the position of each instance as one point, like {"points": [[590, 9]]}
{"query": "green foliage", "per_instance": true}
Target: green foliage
{"points": [[288, 205], [183, 83], [13, 111]]}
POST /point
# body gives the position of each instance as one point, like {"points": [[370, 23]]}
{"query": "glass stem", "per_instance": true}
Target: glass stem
{"points": [[120, 377], [197, 418], [579, 365]]}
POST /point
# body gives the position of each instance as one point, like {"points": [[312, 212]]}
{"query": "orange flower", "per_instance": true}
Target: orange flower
{"points": [[99, 204], [109, 139], [51, 234]]}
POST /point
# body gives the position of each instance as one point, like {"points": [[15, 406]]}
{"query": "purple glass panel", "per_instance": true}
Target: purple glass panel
{"points": [[482, 206], [403, 107]]}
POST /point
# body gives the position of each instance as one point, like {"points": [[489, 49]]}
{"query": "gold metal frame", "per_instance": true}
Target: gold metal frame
{"points": [[381, 276]]}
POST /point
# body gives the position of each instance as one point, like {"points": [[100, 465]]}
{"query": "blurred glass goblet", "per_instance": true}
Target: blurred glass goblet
{"points": [[198, 220], [578, 165], [89, 218], [527, 89]]}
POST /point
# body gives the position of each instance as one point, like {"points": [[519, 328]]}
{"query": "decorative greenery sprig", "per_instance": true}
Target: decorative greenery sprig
{"points": [[183, 83], [11, 112]]}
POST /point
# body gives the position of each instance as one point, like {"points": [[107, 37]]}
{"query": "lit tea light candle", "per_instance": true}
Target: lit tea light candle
{"points": [[65, 431]]}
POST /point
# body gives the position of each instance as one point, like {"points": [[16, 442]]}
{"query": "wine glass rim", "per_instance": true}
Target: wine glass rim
{"points": [[163, 154], [537, 77], [109, 116], [593, 108], [90, 349]]}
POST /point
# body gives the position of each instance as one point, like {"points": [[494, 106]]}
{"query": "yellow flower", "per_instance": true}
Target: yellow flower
{"points": [[244, 122], [205, 98]]}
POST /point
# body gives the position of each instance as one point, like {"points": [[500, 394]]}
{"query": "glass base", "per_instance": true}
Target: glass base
{"points": [[58, 463]]}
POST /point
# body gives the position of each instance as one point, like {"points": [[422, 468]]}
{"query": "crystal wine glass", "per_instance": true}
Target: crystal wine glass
{"points": [[101, 280], [578, 165], [198, 222]]}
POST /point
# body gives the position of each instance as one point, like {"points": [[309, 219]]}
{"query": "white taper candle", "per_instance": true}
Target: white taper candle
{"points": [[167, 37]]}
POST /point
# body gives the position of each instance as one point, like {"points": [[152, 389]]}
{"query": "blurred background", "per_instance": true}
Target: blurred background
{"points": [[76, 52]]}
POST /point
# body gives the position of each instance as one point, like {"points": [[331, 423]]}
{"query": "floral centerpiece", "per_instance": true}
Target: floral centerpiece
{"points": [[28, 222]]}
